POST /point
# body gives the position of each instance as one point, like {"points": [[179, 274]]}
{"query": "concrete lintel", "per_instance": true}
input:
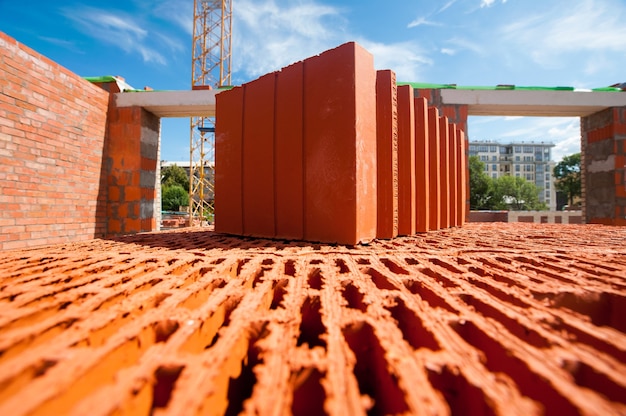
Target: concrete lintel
{"points": [[533, 103], [199, 103]]}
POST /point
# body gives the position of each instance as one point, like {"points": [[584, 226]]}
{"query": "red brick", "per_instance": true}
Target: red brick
{"points": [[462, 179], [406, 161], [340, 146], [434, 149], [228, 161], [387, 154], [422, 167], [289, 170], [258, 157], [444, 172], [454, 173]]}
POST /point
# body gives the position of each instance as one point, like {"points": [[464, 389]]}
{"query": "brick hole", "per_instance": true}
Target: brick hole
{"points": [[308, 393], [535, 266], [267, 262], [316, 261], [498, 293], [446, 282], [363, 261], [445, 265], [240, 264], [372, 372], [163, 330], [258, 276], [11, 386], [35, 317], [525, 334], [393, 267], [32, 340], [546, 264], [462, 261], [495, 276], [424, 292], [165, 378], [412, 327], [290, 268], [586, 376], [315, 279], [218, 261], [170, 261], [159, 298], [280, 289], [500, 360], [463, 398], [311, 327], [380, 280], [343, 267], [354, 297], [411, 261], [504, 260], [240, 388], [603, 309]]}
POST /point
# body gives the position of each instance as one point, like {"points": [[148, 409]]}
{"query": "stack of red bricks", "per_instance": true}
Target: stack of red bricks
{"points": [[329, 149]]}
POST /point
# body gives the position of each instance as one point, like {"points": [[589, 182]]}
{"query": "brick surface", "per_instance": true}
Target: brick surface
{"points": [[422, 167], [489, 318], [406, 161]]}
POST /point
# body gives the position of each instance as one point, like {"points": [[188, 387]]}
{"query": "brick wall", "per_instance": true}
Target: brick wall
{"points": [[52, 134], [604, 166]]}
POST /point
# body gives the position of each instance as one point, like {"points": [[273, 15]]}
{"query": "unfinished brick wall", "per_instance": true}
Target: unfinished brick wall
{"points": [[604, 166], [52, 135], [133, 170], [330, 150], [486, 319]]}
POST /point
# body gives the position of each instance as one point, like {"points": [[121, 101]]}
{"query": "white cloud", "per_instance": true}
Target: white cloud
{"points": [[178, 12], [466, 44], [446, 6], [406, 58], [270, 37], [421, 21], [117, 29], [448, 51], [488, 3], [593, 27]]}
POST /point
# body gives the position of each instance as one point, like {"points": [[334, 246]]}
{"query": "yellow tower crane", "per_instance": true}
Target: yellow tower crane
{"points": [[210, 68]]}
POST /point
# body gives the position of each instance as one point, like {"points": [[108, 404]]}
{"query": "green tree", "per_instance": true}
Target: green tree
{"points": [[173, 197], [517, 194], [481, 185], [567, 174], [175, 175]]}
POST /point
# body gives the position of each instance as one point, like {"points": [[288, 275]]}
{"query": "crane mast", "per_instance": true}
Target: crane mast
{"points": [[211, 68]]}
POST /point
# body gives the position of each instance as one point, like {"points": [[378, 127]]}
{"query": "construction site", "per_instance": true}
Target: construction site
{"points": [[341, 275]]}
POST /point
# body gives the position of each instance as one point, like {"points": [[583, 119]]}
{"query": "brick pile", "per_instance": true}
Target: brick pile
{"points": [[329, 149], [487, 319]]}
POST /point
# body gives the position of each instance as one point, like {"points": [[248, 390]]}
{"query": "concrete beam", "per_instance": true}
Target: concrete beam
{"points": [[533, 103], [199, 103]]}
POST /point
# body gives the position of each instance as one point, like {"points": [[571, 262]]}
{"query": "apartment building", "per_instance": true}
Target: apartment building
{"points": [[529, 160]]}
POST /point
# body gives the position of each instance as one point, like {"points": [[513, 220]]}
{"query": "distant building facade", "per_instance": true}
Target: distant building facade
{"points": [[529, 160]]}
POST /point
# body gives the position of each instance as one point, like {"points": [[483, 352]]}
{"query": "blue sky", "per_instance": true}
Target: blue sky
{"points": [[578, 43]]}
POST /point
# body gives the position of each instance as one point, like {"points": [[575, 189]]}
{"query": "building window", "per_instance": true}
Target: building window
{"points": [[472, 148], [494, 175], [517, 175], [529, 177], [548, 176], [547, 185], [528, 149], [547, 195], [486, 168], [484, 158], [517, 158], [517, 149], [493, 148], [494, 167], [494, 158], [517, 169]]}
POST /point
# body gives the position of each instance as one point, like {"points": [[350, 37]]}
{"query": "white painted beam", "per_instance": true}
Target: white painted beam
{"points": [[199, 103], [533, 103]]}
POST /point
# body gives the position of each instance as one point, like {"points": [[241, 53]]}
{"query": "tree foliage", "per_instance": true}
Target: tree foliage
{"points": [[175, 175], [480, 185], [517, 194], [567, 174], [173, 197], [505, 192]]}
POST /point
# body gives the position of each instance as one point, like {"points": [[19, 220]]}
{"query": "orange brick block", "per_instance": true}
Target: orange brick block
{"points": [[387, 154], [340, 146], [289, 169], [422, 167], [406, 161], [434, 146], [444, 172]]}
